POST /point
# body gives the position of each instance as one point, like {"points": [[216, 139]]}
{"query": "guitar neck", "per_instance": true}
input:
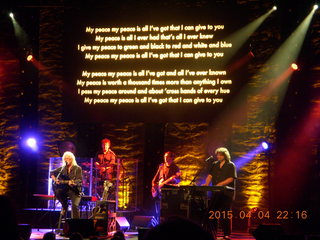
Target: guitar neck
{"points": [[67, 181], [168, 180], [64, 181]]}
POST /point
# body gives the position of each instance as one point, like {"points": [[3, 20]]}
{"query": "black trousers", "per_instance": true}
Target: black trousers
{"points": [[62, 195], [219, 207], [157, 209]]}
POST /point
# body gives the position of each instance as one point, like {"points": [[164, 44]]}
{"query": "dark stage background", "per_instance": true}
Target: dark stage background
{"points": [[286, 177]]}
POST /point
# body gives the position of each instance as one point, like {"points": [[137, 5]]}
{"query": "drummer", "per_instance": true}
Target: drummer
{"points": [[106, 160]]}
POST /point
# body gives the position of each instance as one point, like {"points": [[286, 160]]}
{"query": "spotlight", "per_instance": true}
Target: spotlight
{"points": [[274, 8], [315, 7], [32, 143], [29, 58], [294, 66], [265, 145], [11, 15]]}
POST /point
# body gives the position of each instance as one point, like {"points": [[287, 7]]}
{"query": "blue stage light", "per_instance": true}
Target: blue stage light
{"points": [[31, 142], [265, 145]]}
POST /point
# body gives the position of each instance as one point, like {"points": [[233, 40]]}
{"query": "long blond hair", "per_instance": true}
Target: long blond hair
{"points": [[225, 152], [74, 161]]}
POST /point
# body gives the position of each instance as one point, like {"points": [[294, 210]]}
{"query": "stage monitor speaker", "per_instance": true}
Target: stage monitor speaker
{"points": [[83, 226], [144, 221], [122, 224], [24, 231], [268, 232]]}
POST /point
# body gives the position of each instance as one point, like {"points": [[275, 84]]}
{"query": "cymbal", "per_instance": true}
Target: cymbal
{"points": [[96, 179], [106, 165], [86, 164]]}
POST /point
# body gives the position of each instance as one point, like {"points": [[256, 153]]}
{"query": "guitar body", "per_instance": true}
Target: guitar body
{"points": [[156, 190], [64, 186], [106, 190]]}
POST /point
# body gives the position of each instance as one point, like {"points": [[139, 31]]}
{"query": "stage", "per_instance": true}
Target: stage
{"points": [[133, 235], [121, 114]]}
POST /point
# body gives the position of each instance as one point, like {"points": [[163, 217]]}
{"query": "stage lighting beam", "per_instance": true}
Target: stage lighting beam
{"points": [[275, 79], [241, 36], [19, 32], [282, 62], [290, 49], [29, 58]]}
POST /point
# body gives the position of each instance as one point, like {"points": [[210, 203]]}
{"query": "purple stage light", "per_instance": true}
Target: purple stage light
{"points": [[32, 143], [265, 145]]}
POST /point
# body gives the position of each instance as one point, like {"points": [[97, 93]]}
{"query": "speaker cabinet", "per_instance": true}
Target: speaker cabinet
{"points": [[122, 224], [24, 231], [144, 221], [83, 226]]}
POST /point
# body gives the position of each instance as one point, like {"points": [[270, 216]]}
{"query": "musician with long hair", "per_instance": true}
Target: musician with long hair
{"points": [[222, 173], [67, 182]]}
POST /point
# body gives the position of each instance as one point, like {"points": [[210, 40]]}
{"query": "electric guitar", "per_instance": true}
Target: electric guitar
{"points": [[155, 190], [106, 187]]}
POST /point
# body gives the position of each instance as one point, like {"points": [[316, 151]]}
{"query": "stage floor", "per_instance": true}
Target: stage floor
{"points": [[38, 234]]}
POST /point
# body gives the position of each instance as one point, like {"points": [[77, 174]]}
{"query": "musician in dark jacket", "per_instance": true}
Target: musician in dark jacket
{"points": [[222, 173], [67, 183]]}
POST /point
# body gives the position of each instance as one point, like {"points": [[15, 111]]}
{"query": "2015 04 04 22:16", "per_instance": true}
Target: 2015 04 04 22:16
{"points": [[280, 214]]}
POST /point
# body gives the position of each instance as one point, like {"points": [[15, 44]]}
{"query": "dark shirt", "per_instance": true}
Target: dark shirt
{"points": [[164, 172], [218, 174], [74, 174]]}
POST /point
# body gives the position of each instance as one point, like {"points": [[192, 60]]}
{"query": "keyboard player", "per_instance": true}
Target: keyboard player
{"points": [[222, 173]]}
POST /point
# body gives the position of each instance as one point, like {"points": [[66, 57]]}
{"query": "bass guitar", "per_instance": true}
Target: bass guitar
{"points": [[155, 190]]}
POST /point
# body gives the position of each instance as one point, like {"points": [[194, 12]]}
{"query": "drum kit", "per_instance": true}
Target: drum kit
{"points": [[101, 174]]}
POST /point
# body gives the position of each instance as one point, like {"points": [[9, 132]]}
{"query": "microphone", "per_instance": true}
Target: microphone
{"points": [[208, 159]]}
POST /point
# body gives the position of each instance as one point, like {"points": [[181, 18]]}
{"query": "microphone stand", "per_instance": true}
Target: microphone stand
{"points": [[198, 173], [195, 177]]}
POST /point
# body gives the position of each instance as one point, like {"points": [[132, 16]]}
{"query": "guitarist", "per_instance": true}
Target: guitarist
{"points": [[168, 173], [67, 183]]}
